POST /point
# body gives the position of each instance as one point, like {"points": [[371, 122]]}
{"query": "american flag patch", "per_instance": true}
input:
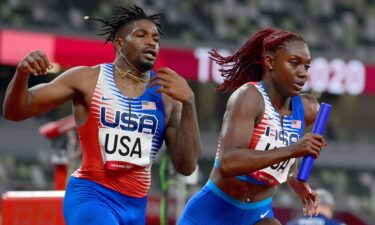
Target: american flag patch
{"points": [[146, 105], [296, 124]]}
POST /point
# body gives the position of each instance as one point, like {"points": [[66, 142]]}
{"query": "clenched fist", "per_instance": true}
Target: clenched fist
{"points": [[35, 63], [310, 144]]}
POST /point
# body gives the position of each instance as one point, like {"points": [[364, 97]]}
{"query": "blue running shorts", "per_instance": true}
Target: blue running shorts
{"points": [[90, 203], [211, 206]]}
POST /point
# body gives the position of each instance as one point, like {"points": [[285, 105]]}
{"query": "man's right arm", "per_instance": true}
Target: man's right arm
{"points": [[21, 102]]}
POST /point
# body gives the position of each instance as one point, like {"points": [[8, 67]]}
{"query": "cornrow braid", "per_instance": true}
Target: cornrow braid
{"points": [[247, 63], [123, 16]]}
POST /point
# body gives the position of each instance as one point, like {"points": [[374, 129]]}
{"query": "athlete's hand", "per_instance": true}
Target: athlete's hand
{"points": [[310, 144], [35, 63], [308, 197], [172, 84]]}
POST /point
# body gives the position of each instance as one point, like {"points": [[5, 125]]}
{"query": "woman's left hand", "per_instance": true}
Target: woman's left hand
{"points": [[308, 197]]}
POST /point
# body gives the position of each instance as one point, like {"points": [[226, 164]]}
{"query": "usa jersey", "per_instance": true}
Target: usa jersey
{"points": [[270, 133], [121, 137]]}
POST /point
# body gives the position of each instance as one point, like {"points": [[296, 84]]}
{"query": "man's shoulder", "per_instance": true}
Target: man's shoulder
{"points": [[85, 70], [78, 75], [82, 78]]}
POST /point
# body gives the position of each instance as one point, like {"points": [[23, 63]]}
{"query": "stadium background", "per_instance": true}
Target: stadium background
{"points": [[341, 36]]}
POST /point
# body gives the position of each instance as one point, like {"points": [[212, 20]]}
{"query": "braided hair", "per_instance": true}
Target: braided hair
{"points": [[247, 63], [123, 16]]}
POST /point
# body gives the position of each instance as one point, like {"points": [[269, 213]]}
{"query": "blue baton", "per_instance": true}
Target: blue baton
{"points": [[319, 125]]}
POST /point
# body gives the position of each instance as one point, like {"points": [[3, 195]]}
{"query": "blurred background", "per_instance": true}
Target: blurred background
{"points": [[341, 36]]}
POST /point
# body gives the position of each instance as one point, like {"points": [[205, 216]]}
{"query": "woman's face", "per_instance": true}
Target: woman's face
{"points": [[290, 65]]}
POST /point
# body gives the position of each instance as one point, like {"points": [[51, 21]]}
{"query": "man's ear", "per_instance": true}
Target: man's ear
{"points": [[118, 43], [268, 60]]}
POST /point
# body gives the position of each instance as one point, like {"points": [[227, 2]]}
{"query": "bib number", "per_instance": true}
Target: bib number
{"points": [[124, 149], [279, 170]]}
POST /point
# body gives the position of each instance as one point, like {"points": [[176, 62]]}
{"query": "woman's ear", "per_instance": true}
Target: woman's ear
{"points": [[268, 60]]}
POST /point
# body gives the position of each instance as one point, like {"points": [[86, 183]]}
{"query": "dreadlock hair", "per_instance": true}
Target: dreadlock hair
{"points": [[122, 16], [247, 63]]}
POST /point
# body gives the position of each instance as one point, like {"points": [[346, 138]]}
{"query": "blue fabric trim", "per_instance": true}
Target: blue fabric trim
{"points": [[242, 205], [298, 112], [250, 179], [245, 178], [216, 164]]}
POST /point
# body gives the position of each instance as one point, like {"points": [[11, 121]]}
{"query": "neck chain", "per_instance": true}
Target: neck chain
{"points": [[130, 74]]}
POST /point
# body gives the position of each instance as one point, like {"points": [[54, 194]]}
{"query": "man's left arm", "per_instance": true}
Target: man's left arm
{"points": [[182, 135], [183, 138]]}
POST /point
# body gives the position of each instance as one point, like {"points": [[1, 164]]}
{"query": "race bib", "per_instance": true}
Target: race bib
{"points": [[124, 149], [277, 173], [266, 143]]}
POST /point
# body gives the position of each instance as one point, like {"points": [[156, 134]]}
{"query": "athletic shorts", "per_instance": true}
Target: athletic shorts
{"points": [[212, 206], [90, 203]]}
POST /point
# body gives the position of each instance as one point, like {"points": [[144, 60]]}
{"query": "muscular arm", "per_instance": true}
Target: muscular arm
{"points": [[244, 107], [22, 102], [182, 132], [183, 138]]}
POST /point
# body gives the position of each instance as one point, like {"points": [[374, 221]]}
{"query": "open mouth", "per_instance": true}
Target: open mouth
{"points": [[149, 53]]}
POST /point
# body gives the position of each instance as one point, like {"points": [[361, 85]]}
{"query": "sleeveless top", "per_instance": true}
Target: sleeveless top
{"points": [[268, 134], [121, 137]]}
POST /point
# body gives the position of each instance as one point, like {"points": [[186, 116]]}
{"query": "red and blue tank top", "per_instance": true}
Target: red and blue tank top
{"points": [[270, 133], [121, 137]]}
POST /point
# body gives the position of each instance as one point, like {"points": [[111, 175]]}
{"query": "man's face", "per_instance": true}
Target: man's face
{"points": [[141, 44], [290, 67]]}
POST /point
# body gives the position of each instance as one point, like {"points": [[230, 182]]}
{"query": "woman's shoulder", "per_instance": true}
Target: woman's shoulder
{"points": [[246, 93], [247, 100], [311, 107]]}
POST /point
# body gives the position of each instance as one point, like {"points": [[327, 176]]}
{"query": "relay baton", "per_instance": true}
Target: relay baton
{"points": [[319, 125]]}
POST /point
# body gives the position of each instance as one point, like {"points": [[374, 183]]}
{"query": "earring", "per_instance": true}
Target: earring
{"points": [[270, 68]]}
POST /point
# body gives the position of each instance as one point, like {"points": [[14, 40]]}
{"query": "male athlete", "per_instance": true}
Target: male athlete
{"points": [[123, 111]]}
